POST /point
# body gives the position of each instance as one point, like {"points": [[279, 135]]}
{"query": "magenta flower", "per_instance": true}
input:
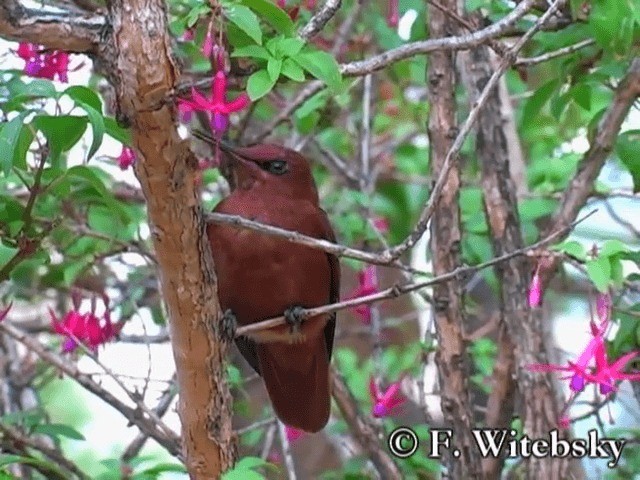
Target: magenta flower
{"points": [[3, 313], [367, 285], [188, 35], [564, 422], [579, 377], [384, 403], [292, 433], [85, 328], [126, 158], [281, 3], [218, 108], [41, 64], [207, 45], [393, 14], [603, 308], [535, 290], [606, 374], [381, 224]]}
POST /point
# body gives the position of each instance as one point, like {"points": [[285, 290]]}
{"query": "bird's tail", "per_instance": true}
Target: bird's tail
{"points": [[297, 380]]}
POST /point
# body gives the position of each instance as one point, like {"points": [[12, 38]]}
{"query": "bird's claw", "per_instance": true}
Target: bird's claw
{"points": [[228, 326], [294, 317]]}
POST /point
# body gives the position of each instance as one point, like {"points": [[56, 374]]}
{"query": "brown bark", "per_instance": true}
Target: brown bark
{"points": [[451, 358], [144, 74], [519, 330]]}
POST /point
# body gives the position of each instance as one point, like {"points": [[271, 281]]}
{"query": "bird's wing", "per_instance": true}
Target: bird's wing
{"points": [[334, 288]]}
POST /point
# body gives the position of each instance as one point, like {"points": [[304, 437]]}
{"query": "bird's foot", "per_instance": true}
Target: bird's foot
{"points": [[228, 326], [294, 317]]}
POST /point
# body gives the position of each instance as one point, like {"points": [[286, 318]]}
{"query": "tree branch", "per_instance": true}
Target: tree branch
{"points": [[320, 19], [398, 290], [135, 416], [364, 430], [60, 30]]}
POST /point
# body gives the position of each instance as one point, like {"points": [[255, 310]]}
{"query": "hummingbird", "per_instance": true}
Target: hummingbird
{"points": [[263, 276]]}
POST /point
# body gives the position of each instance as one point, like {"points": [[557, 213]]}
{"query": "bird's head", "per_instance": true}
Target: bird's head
{"points": [[271, 167]]}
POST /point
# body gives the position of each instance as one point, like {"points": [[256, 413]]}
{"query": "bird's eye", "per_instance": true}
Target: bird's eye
{"points": [[277, 167]]}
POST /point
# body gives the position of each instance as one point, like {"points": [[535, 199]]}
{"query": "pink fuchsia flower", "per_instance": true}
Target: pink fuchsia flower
{"points": [[381, 224], [41, 64], [393, 14], [606, 375], [3, 313], [367, 285], [126, 158], [217, 107], [578, 368], [603, 308], [86, 328], [310, 4], [188, 35], [207, 45], [385, 402], [281, 3], [293, 434], [535, 290], [564, 422]]}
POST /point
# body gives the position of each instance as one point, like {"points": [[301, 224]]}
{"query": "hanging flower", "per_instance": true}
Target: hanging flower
{"points": [[393, 14], [292, 433], [577, 368], [367, 285], [86, 328], [126, 158], [535, 289], [217, 107], [385, 402], [606, 375], [44, 64]]}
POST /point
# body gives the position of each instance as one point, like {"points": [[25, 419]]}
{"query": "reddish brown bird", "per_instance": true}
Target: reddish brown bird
{"points": [[262, 276]]}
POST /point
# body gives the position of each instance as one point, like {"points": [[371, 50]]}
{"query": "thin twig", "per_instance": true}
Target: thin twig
{"points": [[52, 454], [320, 19], [171, 442], [452, 154], [286, 451], [295, 237], [160, 409], [398, 290], [554, 54]]}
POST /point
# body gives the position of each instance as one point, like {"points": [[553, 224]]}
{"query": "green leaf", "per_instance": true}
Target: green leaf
{"points": [[252, 51], [84, 95], [86, 173], [116, 131], [290, 47], [97, 128], [628, 150], [56, 430], [245, 20], [612, 247], [573, 248], [62, 131], [292, 70], [259, 84], [599, 271], [273, 15], [6, 254], [22, 460], [9, 135], [274, 67], [321, 65]]}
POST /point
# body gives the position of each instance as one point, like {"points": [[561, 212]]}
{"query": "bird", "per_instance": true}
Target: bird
{"points": [[263, 276]]}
